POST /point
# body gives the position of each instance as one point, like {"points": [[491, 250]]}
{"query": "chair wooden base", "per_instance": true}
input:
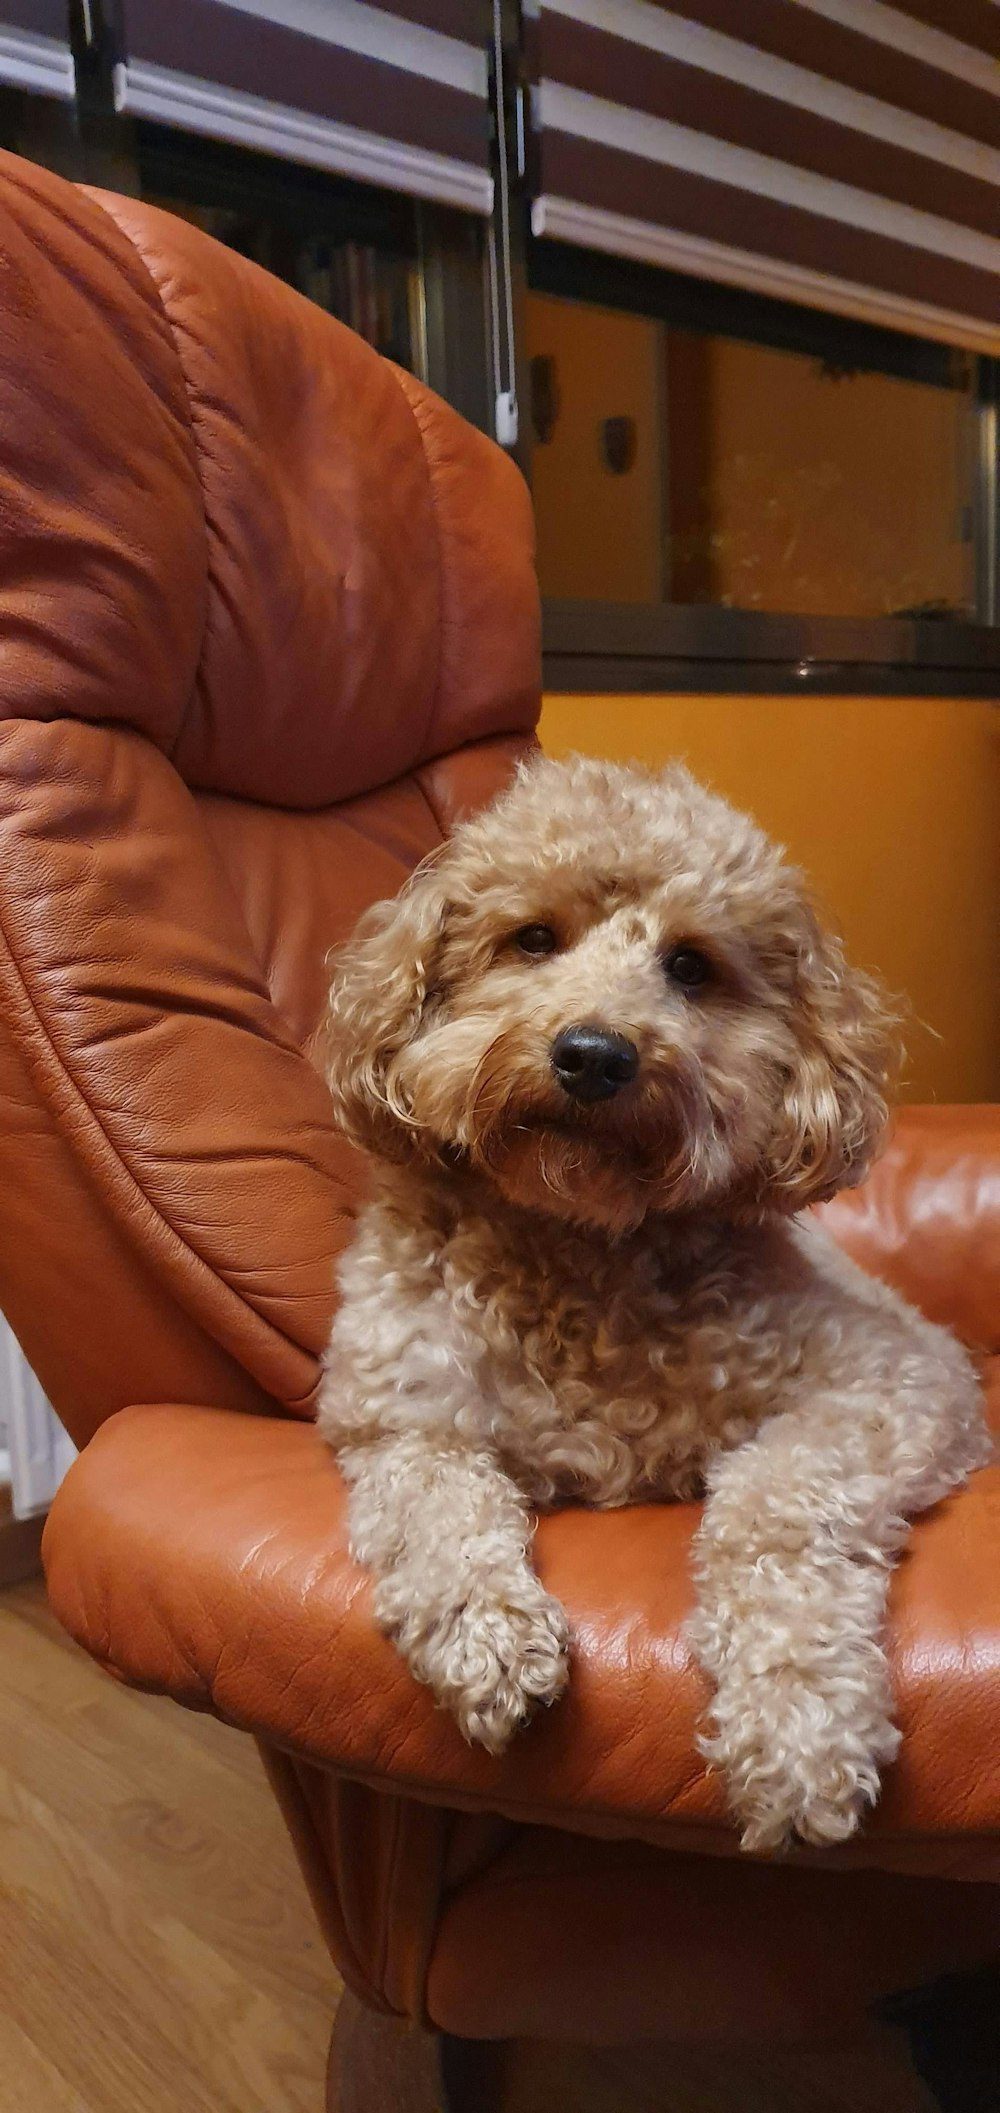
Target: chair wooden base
{"points": [[380, 2064]]}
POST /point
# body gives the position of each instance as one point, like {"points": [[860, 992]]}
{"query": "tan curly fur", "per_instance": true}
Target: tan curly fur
{"points": [[618, 1302]]}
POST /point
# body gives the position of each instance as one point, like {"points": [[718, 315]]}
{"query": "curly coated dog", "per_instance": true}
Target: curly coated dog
{"points": [[603, 1053]]}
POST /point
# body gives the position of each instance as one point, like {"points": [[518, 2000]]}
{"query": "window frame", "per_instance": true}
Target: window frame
{"points": [[591, 646]]}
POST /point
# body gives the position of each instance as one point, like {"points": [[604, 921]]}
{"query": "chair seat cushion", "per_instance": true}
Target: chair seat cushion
{"points": [[615, 1941]]}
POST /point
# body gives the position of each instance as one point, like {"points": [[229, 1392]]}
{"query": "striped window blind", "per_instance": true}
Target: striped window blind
{"points": [[393, 94], [842, 153], [34, 46]]}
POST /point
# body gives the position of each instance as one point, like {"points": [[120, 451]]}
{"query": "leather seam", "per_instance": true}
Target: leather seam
{"points": [[419, 1976], [420, 770], [42, 1044], [296, 1810], [401, 380], [443, 833], [196, 443], [385, 1904], [227, 880]]}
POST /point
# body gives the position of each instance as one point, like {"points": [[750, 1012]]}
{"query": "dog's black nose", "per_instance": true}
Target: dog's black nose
{"points": [[593, 1064]]}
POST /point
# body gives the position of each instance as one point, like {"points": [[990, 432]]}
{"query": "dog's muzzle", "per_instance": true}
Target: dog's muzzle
{"points": [[592, 1063]]}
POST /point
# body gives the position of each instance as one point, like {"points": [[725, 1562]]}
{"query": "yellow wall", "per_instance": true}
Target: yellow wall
{"points": [[600, 536], [892, 805], [833, 497], [760, 480]]}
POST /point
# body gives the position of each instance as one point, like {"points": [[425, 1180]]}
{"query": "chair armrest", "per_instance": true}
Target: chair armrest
{"points": [[202, 1554], [928, 1218]]}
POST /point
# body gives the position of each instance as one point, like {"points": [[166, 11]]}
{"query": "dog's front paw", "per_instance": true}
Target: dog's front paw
{"points": [[794, 1767], [494, 1659]]}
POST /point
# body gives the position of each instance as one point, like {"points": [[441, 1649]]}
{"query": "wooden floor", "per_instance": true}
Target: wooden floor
{"points": [[158, 1953], [157, 1950]]}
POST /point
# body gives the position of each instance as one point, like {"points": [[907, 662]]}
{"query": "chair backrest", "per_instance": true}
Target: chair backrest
{"points": [[269, 624]]}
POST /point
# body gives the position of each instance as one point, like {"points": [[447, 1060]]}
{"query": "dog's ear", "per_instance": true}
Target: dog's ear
{"points": [[833, 1107], [382, 977]]}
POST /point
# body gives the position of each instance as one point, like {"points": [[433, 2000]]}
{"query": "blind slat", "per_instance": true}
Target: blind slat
{"points": [[639, 79], [386, 94], [792, 30], [972, 22], [34, 47], [801, 161]]}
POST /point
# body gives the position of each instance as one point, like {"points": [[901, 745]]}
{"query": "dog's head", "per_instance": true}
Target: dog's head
{"points": [[610, 995]]}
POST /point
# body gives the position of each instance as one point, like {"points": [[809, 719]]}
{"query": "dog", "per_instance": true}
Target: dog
{"points": [[603, 1054]]}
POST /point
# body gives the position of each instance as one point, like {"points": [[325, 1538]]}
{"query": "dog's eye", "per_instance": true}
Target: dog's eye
{"points": [[536, 939], [688, 966]]}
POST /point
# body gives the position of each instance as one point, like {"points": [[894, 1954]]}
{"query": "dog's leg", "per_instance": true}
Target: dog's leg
{"points": [[446, 1533], [800, 1530], [444, 1530]]}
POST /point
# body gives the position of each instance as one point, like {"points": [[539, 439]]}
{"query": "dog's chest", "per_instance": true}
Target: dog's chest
{"points": [[608, 1376]]}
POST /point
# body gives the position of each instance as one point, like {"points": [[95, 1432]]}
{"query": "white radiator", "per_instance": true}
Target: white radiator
{"points": [[31, 1435]]}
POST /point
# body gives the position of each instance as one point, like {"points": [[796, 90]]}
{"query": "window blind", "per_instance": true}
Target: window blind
{"points": [[34, 46], [843, 153], [393, 94]]}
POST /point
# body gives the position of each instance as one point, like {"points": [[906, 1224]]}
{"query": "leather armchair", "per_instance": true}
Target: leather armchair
{"points": [[270, 626]]}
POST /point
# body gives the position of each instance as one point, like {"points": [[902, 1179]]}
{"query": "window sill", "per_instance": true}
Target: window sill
{"points": [[619, 646]]}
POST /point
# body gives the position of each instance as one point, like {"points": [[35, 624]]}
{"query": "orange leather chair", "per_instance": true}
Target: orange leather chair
{"points": [[269, 625]]}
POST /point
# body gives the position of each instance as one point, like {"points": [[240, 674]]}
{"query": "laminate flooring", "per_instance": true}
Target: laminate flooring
{"points": [[158, 1953]]}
